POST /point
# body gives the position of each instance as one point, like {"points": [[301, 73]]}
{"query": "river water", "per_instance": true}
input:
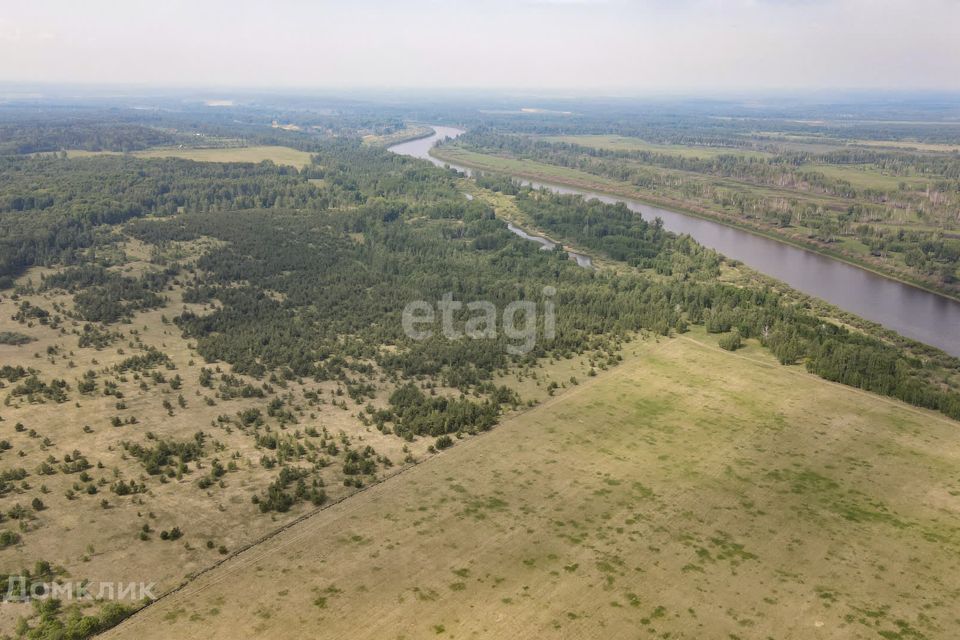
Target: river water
{"points": [[910, 311], [549, 245]]}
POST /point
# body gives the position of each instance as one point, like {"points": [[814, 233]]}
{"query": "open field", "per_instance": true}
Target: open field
{"points": [[787, 141], [909, 145], [276, 154], [411, 132], [624, 143], [688, 493], [85, 525], [522, 167], [866, 176]]}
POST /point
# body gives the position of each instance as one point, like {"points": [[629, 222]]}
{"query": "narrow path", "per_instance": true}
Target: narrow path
{"points": [[307, 522], [250, 553]]}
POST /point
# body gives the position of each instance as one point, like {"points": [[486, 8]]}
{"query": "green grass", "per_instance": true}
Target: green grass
{"points": [[411, 132], [276, 154], [819, 143], [865, 176], [525, 168], [861, 176], [689, 492], [910, 145], [623, 143]]}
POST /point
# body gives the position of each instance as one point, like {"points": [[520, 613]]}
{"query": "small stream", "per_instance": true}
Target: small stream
{"points": [[549, 245]]}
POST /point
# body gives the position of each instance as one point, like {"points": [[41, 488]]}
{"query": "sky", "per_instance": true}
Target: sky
{"points": [[613, 46]]}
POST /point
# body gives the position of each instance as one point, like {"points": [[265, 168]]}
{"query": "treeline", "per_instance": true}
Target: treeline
{"points": [[730, 125], [780, 191], [298, 293], [793, 333], [416, 414], [783, 168], [50, 207], [295, 291], [38, 137], [311, 279], [313, 294], [107, 296], [44, 129], [619, 233]]}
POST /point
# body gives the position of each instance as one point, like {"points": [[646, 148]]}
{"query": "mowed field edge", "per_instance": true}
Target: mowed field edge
{"points": [[256, 153], [687, 493]]}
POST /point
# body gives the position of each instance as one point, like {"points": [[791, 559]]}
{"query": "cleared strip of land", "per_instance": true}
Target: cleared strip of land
{"points": [[276, 154], [409, 133], [689, 492], [624, 143]]}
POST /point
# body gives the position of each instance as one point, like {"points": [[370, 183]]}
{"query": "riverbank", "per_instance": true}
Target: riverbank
{"points": [[411, 133], [910, 313], [611, 188]]}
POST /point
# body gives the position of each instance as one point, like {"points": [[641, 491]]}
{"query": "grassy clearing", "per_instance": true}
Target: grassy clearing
{"points": [[865, 176], [817, 143], [860, 176], [276, 154], [909, 145], [523, 168], [624, 143], [689, 492], [411, 132], [535, 170]]}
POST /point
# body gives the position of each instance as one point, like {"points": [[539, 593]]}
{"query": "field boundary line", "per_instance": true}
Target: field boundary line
{"points": [[926, 413], [143, 613]]}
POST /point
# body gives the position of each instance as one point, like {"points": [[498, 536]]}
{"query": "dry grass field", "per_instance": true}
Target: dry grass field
{"points": [[625, 143], [408, 133], [276, 154], [687, 493], [909, 145], [89, 531]]}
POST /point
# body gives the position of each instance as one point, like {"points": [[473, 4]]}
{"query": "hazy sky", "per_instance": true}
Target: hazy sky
{"points": [[615, 45]]}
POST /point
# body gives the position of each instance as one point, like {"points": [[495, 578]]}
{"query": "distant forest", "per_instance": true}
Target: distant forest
{"points": [[314, 266]]}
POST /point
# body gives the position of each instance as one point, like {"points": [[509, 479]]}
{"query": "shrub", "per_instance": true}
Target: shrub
{"points": [[731, 341], [8, 538]]}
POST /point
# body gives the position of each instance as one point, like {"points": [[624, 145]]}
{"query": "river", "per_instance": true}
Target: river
{"points": [[908, 310]]}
